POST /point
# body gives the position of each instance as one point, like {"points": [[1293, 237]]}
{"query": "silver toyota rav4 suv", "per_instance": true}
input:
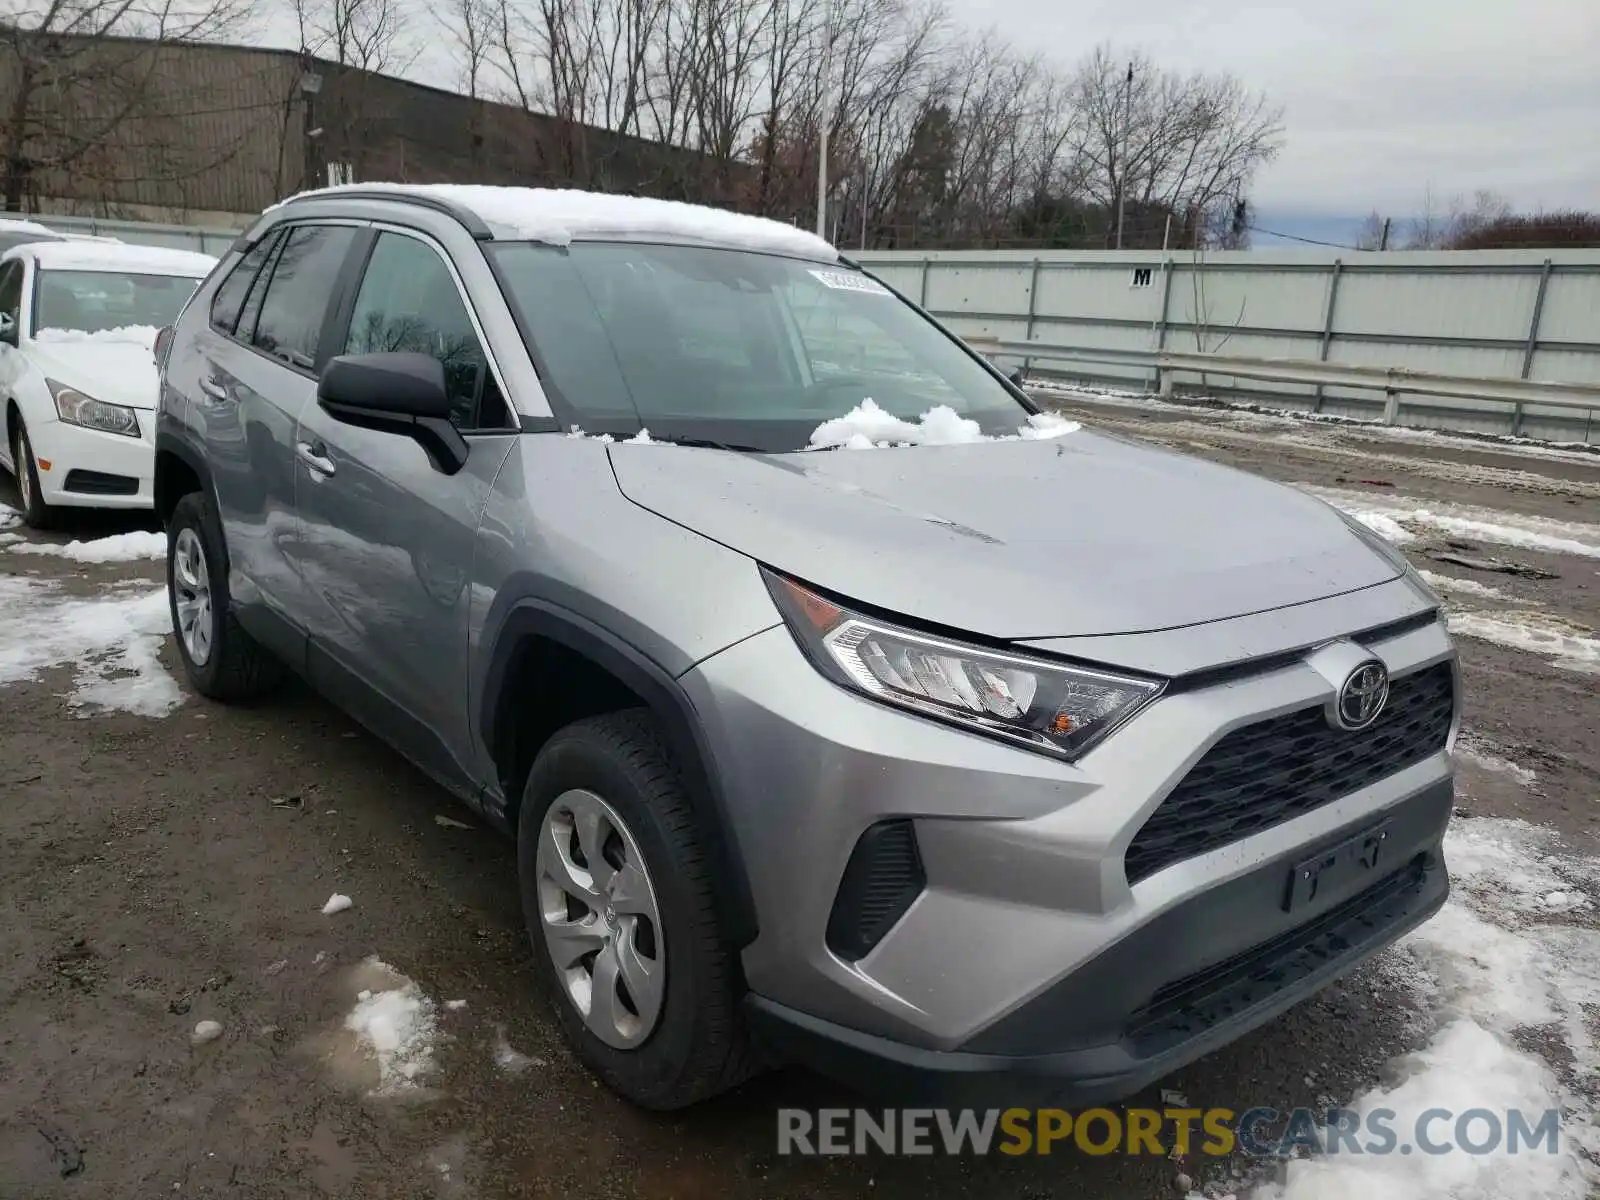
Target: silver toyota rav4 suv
{"points": [[844, 709]]}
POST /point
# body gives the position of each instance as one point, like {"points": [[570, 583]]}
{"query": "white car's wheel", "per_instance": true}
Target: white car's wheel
{"points": [[34, 509]]}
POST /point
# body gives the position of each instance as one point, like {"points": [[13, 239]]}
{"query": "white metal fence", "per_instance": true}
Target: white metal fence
{"points": [[140, 233], [1501, 315]]}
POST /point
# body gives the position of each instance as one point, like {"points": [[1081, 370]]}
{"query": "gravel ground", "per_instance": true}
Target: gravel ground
{"points": [[161, 871]]}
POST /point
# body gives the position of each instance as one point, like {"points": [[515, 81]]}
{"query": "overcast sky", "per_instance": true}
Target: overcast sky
{"points": [[1382, 98]]}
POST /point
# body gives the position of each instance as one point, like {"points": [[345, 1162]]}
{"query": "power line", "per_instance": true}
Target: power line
{"points": [[1293, 237]]}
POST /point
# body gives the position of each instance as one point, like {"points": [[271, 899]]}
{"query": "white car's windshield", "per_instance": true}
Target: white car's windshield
{"points": [[97, 301], [747, 349]]}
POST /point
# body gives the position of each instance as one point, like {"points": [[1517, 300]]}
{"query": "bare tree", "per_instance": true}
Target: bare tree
{"points": [[1161, 140], [72, 81], [370, 35]]}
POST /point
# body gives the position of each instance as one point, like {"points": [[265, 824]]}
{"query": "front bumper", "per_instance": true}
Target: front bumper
{"points": [[1144, 1008], [1028, 952], [90, 468]]}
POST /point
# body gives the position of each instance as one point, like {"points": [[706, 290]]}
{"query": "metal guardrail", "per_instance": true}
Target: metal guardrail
{"points": [[1392, 381]]}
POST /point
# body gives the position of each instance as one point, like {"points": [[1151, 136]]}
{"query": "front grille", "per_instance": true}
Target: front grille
{"points": [[882, 878], [1199, 1001], [100, 483], [1273, 771]]}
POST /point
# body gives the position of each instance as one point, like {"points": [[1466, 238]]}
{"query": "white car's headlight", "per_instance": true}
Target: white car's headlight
{"points": [[75, 408], [1040, 703]]}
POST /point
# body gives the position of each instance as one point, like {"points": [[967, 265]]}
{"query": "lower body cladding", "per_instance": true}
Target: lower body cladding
{"points": [[947, 916], [90, 468]]}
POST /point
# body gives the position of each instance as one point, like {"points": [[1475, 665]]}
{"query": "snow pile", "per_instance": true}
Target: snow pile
{"points": [[397, 1026], [118, 548], [1463, 521], [1565, 645], [141, 335], [9, 516], [205, 1031], [336, 904], [1491, 964], [510, 1060], [112, 641], [869, 427], [1381, 524], [560, 216], [1462, 587], [1474, 749]]}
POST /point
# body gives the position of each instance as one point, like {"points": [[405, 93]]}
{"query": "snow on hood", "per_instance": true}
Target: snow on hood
{"points": [[869, 427], [114, 365], [141, 335]]}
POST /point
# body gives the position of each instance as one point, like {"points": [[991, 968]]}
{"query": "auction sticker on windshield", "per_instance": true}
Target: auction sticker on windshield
{"points": [[849, 281]]}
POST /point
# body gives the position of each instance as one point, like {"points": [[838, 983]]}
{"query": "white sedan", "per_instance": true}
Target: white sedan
{"points": [[78, 382]]}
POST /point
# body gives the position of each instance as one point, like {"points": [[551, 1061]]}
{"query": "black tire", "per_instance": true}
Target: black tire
{"points": [[236, 667], [35, 511], [698, 1046]]}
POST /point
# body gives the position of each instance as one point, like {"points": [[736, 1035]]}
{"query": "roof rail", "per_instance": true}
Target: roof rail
{"points": [[465, 216]]}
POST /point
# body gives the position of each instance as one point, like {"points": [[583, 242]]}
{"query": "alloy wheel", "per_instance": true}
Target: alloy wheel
{"points": [[191, 585], [602, 923], [22, 460]]}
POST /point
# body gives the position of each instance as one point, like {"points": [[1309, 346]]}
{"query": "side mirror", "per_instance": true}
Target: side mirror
{"points": [[400, 393], [8, 329], [1018, 377]]}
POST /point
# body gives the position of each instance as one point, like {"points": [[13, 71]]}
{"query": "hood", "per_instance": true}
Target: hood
{"points": [[117, 369], [1084, 534]]}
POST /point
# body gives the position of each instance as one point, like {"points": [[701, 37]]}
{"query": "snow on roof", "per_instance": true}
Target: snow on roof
{"points": [[562, 215], [11, 225], [120, 256]]}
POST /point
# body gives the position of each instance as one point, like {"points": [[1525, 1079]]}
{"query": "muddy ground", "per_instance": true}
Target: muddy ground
{"points": [[155, 872]]}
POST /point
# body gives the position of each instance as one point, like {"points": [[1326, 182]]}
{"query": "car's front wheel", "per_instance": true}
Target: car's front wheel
{"points": [[221, 659], [618, 898], [35, 511]]}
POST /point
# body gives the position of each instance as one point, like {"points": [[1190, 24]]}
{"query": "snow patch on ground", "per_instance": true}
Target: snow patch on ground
{"points": [[9, 517], [112, 640], [1572, 647], [869, 427], [1491, 962], [397, 1027], [511, 1060], [336, 904], [118, 548], [1463, 587], [1462, 521], [1471, 748], [1381, 524]]}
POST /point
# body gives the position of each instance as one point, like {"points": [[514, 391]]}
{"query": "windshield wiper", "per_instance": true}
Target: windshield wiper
{"points": [[712, 444]]}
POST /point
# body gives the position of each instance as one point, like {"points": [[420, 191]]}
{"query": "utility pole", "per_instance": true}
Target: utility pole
{"points": [[826, 118], [1122, 180], [310, 85], [863, 198], [1383, 240]]}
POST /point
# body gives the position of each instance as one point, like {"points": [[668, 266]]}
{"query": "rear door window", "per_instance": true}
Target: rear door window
{"points": [[229, 297], [300, 291]]}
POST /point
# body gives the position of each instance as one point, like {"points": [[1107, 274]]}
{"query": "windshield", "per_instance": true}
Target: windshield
{"points": [[97, 301], [749, 350]]}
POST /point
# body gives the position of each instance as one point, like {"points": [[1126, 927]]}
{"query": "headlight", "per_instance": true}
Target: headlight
{"points": [[1044, 705], [75, 408]]}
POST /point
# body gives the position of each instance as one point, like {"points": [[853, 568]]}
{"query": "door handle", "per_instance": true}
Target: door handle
{"points": [[314, 457], [213, 388]]}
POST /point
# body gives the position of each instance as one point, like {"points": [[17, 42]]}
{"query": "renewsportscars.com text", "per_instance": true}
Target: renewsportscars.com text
{"points": [[1257, 1132]]}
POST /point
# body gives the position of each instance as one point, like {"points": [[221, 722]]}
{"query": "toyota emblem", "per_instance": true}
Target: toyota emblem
{"points": [[1362, 696]]}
